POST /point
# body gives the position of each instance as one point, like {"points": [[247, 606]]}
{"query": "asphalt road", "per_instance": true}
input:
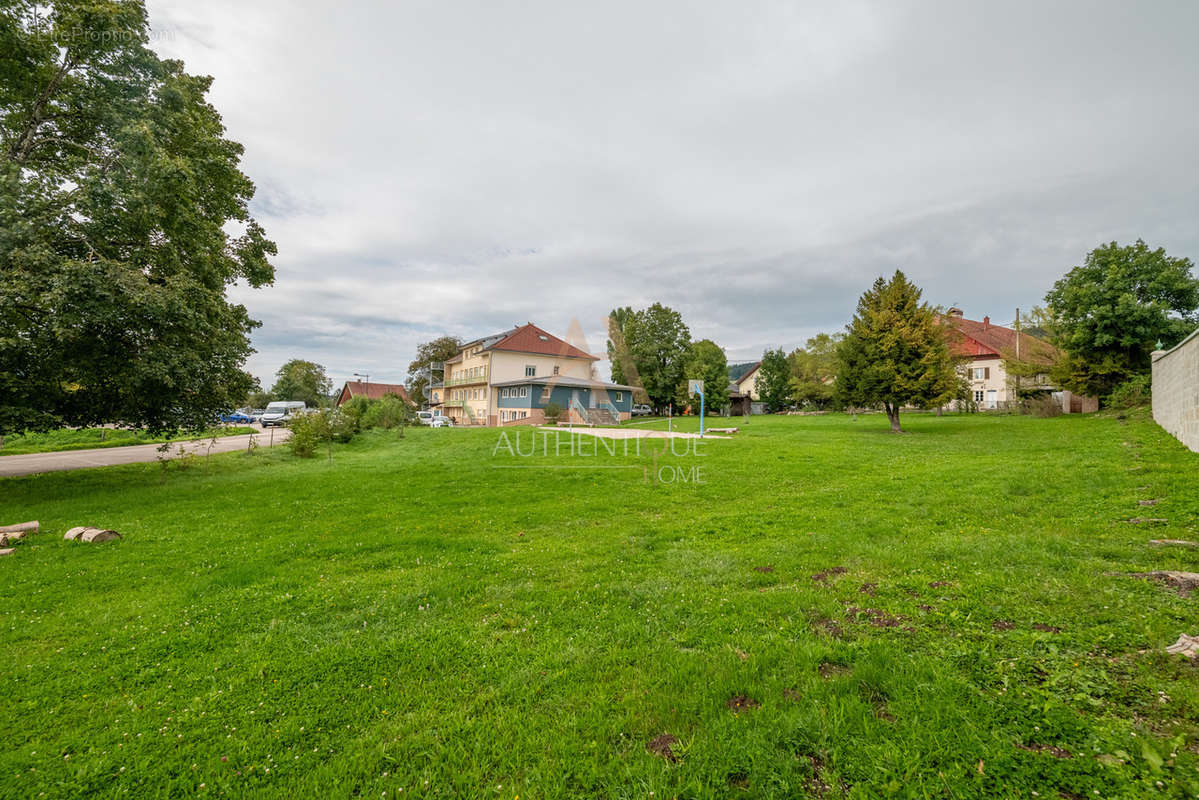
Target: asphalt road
{"points": [[130, 454]]}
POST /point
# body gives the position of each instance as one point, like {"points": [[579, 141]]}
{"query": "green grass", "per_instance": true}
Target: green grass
{"points": [[88, 438], [409, 617]]}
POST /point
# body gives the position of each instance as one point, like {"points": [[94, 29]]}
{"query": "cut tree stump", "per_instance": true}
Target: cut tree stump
{"points": [[1185, 646], [91, 535], [22, 527]]}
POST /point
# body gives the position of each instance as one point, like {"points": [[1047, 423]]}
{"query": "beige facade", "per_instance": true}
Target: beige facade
{"points": [[748, 385], [1176, 390], [988, 383]]}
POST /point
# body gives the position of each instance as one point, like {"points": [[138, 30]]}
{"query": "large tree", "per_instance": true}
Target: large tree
{"points": [[895, 352], [430, 360], [813, 369], [653, 344], [302, 380], [705, 362], [1108, 314], [123, 219], [774, 380]]}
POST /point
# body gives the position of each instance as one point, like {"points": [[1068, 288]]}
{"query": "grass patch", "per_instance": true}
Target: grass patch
{"points": [[428, 615], [89, 438]]}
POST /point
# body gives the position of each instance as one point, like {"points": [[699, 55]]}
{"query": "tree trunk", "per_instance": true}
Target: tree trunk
{"points": [[893, 415], [30, 527]]}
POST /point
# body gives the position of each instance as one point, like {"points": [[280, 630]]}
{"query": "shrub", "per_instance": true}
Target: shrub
{"points": [[356, 408], [1041, 405], [1137, 391], [390, 412], [552, 412], [308, 432]]}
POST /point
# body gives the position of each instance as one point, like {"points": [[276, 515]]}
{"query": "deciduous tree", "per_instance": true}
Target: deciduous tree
{"points": [[302, 380], [813, 368], [774, 380], [706, 362], [657, 344], [430, 358], [123, 219], [1108, 314]]}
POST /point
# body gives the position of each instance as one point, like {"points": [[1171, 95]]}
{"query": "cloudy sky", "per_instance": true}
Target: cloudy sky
{"points": [[460, 167]]}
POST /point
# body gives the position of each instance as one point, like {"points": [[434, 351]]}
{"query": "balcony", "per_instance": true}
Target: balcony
{"points": [[481, 378], [453, 403]]}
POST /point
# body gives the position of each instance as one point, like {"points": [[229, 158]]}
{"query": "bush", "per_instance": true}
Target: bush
{"points": [[552, 412], [1133, 392], [390, 412], [355, 409], [1041, 405], [308, 432]]}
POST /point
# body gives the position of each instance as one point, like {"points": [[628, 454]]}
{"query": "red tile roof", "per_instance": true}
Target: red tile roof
{"points": [[531, 339], [375, 391], [985, 339]]}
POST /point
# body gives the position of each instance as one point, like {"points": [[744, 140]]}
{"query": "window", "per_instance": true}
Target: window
{"points": [[982, 373], [618, 396], [524, 391], [555, 369], [530, 371], [978, 396], [503, 393], [524, 414]]}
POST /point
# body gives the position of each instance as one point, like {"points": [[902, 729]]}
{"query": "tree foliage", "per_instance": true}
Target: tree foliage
{"points": [[813, 369], [118, 195], [895, 352], [706, 362], [774, 381], [653, 344], [302, 380], [1108, 314], [430, 358]]}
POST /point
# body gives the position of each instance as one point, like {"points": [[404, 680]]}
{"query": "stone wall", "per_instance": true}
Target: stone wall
{"points": [[1176, 390]]}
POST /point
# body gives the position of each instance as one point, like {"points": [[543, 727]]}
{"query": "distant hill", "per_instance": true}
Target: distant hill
{"points": [[737, 370]]}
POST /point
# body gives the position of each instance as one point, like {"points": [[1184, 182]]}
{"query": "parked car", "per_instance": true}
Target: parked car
{"points": [[237, 417], [642, 410], [442, 422], [281, 412], [434, 418]]}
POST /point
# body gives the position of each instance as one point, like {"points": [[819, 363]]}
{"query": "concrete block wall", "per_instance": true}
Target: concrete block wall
{"points": [[1176, 390]]}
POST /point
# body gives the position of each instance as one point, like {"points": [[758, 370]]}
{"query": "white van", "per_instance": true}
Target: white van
{"points": [[280, 412]]}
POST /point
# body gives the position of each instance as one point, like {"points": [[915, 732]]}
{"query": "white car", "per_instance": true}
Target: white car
{"points": [[434, 420], [281, 412], [641, 410]]}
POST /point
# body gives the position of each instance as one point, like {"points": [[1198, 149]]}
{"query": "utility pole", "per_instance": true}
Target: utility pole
{"points": [[1018, 365]]}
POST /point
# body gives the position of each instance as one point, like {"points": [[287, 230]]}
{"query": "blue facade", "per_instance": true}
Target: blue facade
{"points": [[536, 397]]}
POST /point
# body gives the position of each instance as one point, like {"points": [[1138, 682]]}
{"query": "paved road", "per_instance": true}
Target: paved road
{"points": [[130, 454]]}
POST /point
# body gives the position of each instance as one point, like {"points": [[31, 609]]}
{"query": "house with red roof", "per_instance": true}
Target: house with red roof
{"points": [[375, 391], [985, 349], [510, 377]]}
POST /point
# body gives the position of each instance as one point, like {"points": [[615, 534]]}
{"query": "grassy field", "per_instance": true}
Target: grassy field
{"points": [[88, 438], [815, 608]]}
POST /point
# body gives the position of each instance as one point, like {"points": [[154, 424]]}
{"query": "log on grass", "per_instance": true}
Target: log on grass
{"points": [[92, 535], [8, 551], [10, 538], [23, 527]]}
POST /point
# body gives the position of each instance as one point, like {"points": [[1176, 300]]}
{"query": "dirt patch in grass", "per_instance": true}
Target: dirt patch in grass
{"points": [[1147, 521], [1147, 503], [740, 702], [868, 588], [663, 746], [828, 670], [1003, 624], [876, 617], [829, 627], [1041, 626], [764, 569], [940, 584], [1183, 582], [924, 607], [792, 695], [825, 574], [817, 785], [1051, 749]]}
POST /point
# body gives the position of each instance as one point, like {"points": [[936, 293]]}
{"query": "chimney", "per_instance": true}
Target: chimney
{"points": [[986, 323], [955, 312]]}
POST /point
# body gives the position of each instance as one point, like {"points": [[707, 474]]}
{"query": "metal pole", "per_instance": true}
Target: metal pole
{"points": [[701, 415]]}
